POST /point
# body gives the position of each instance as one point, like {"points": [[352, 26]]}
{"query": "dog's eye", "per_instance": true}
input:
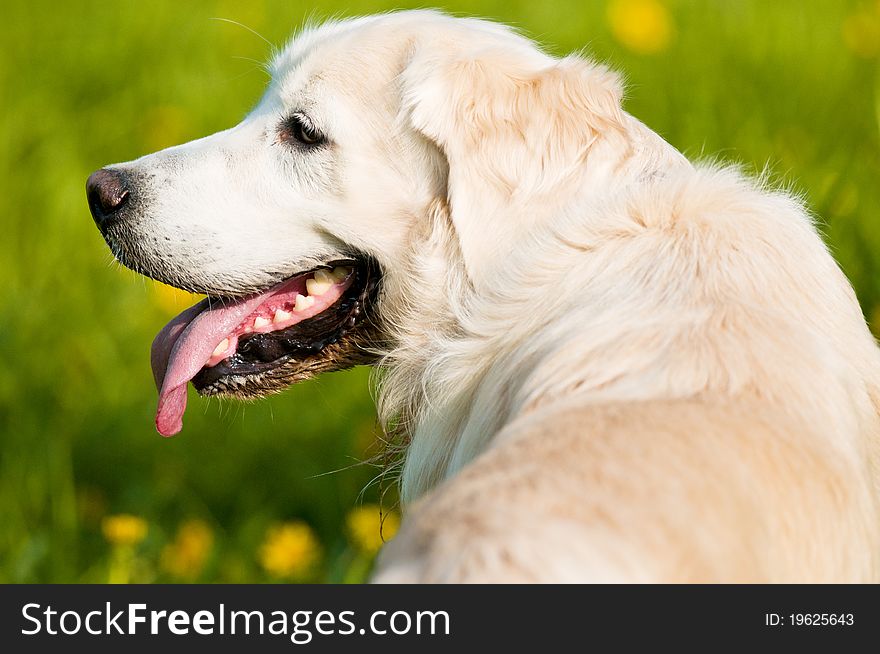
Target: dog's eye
{"points": [[298, 128]]}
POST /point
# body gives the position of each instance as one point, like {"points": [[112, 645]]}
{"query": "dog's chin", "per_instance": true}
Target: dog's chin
{"points": [[343, 335]]}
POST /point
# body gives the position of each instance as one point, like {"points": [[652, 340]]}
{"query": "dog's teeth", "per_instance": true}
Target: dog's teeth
{"points": [[281, 315], [340, 273], [323, 276], [303, 302], [259, 321], [317, 286], [222, 346]]}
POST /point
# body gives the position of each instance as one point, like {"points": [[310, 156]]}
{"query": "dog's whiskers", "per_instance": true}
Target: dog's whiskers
{"points": [[245, 27]]}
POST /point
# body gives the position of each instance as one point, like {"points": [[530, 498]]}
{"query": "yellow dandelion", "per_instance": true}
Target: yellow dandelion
{"points": [[186, 555], [643, 26], [861, 32], [124, 529], [172, 300], [367, 530], [289, 550]]}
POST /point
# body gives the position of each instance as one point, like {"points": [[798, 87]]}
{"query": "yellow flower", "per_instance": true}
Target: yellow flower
{"points": [[367, 530], [186, 555], [124, 529], [289, 549], [643, 26], [861, 32]]}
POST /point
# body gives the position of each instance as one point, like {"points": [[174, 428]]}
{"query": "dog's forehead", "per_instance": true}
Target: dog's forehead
{"points": [[359, 60], [336, 55]]}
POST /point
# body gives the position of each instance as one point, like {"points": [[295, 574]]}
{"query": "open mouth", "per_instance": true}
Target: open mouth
{"points": [[262, 342]]}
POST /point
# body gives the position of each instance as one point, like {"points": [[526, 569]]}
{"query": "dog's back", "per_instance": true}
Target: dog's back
{"points": [[704, 411]]}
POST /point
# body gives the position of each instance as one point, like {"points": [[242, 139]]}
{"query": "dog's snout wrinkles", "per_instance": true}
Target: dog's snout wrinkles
{"points": [[108, 193]]}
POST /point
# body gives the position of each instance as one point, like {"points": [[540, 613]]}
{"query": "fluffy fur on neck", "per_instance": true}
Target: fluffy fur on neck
{"points": [[680, 284]]}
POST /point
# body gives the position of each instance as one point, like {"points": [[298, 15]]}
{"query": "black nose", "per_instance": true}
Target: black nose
{"points": [[108, 193]]}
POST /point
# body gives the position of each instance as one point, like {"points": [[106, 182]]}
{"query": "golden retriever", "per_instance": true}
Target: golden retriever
{"points": [[607, 363]]}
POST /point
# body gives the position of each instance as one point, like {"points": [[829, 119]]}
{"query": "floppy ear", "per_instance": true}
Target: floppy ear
{"points": [[516, 127]]}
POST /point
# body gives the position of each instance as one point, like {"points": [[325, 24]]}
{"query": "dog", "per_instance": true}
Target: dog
{"points": [[605, 363]]}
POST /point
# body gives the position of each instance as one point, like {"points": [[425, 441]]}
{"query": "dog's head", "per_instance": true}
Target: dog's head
{"points": [[373, 134]]}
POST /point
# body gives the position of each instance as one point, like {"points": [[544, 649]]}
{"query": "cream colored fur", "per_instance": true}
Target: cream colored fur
{"points": [[606, 363], [636, 369]]}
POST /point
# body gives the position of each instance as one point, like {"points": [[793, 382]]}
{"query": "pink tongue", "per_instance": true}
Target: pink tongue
{"points": [[182, 348]]}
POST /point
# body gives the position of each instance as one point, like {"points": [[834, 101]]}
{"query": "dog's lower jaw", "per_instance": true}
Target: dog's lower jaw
{"points": [[349, 351]]}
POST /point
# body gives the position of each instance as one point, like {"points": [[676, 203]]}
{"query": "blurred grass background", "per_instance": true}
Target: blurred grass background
{"points": [[88, 491]]}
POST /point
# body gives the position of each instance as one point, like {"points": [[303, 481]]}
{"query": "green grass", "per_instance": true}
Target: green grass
{"points": [[767, 84]]}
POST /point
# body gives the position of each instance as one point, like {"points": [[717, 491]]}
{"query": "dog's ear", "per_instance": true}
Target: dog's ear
{"points": [[516, 127]]}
